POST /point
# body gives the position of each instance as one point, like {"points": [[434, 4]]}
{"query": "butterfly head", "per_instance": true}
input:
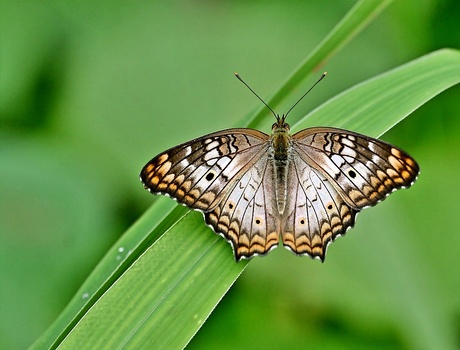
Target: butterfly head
{"points": [[280, 125]]}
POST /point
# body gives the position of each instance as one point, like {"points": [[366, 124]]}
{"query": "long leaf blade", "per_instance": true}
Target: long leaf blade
{"points": [[138, 237], [165, 296]]}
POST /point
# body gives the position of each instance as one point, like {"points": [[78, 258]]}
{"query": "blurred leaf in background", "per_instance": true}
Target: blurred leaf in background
{"points": [[90, 92]]}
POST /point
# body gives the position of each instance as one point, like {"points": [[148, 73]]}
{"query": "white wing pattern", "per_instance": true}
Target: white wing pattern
{"points": [[254, 188], [200, 172]]}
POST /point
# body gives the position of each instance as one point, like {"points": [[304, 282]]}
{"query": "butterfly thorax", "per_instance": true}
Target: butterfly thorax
{"points": [[281, 140], [281, 143]]}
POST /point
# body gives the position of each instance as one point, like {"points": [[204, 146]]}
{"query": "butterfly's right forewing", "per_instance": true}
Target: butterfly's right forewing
{"points": [[363, 170]]}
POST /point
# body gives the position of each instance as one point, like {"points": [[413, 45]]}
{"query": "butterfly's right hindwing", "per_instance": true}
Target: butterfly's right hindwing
{"points": [[315, 214], [197, 173]]}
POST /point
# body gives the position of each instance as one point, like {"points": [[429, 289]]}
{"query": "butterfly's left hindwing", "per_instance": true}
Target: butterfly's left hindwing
{"points": [[197, 173], [247, 216]]}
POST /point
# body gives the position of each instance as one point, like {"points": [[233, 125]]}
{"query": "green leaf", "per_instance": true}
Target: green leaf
{"points": [[151, 291], [168, 292], [116, 266]]}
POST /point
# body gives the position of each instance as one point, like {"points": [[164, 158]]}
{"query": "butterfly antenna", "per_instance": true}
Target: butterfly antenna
{"points": [[305, 94], [271, 110]]}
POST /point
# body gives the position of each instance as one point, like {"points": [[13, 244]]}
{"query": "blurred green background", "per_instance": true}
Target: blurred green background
{"points": [[90, 91]]}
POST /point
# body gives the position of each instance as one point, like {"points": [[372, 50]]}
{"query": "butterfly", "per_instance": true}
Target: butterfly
{"points": [[254, 188]]}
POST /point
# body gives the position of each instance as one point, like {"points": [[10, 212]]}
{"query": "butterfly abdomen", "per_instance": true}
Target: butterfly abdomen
{"points": [[280, 179], [281, 143]]}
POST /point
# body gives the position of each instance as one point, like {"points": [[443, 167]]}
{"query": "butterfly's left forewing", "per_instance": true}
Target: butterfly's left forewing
{"points": [[197, 173]]}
